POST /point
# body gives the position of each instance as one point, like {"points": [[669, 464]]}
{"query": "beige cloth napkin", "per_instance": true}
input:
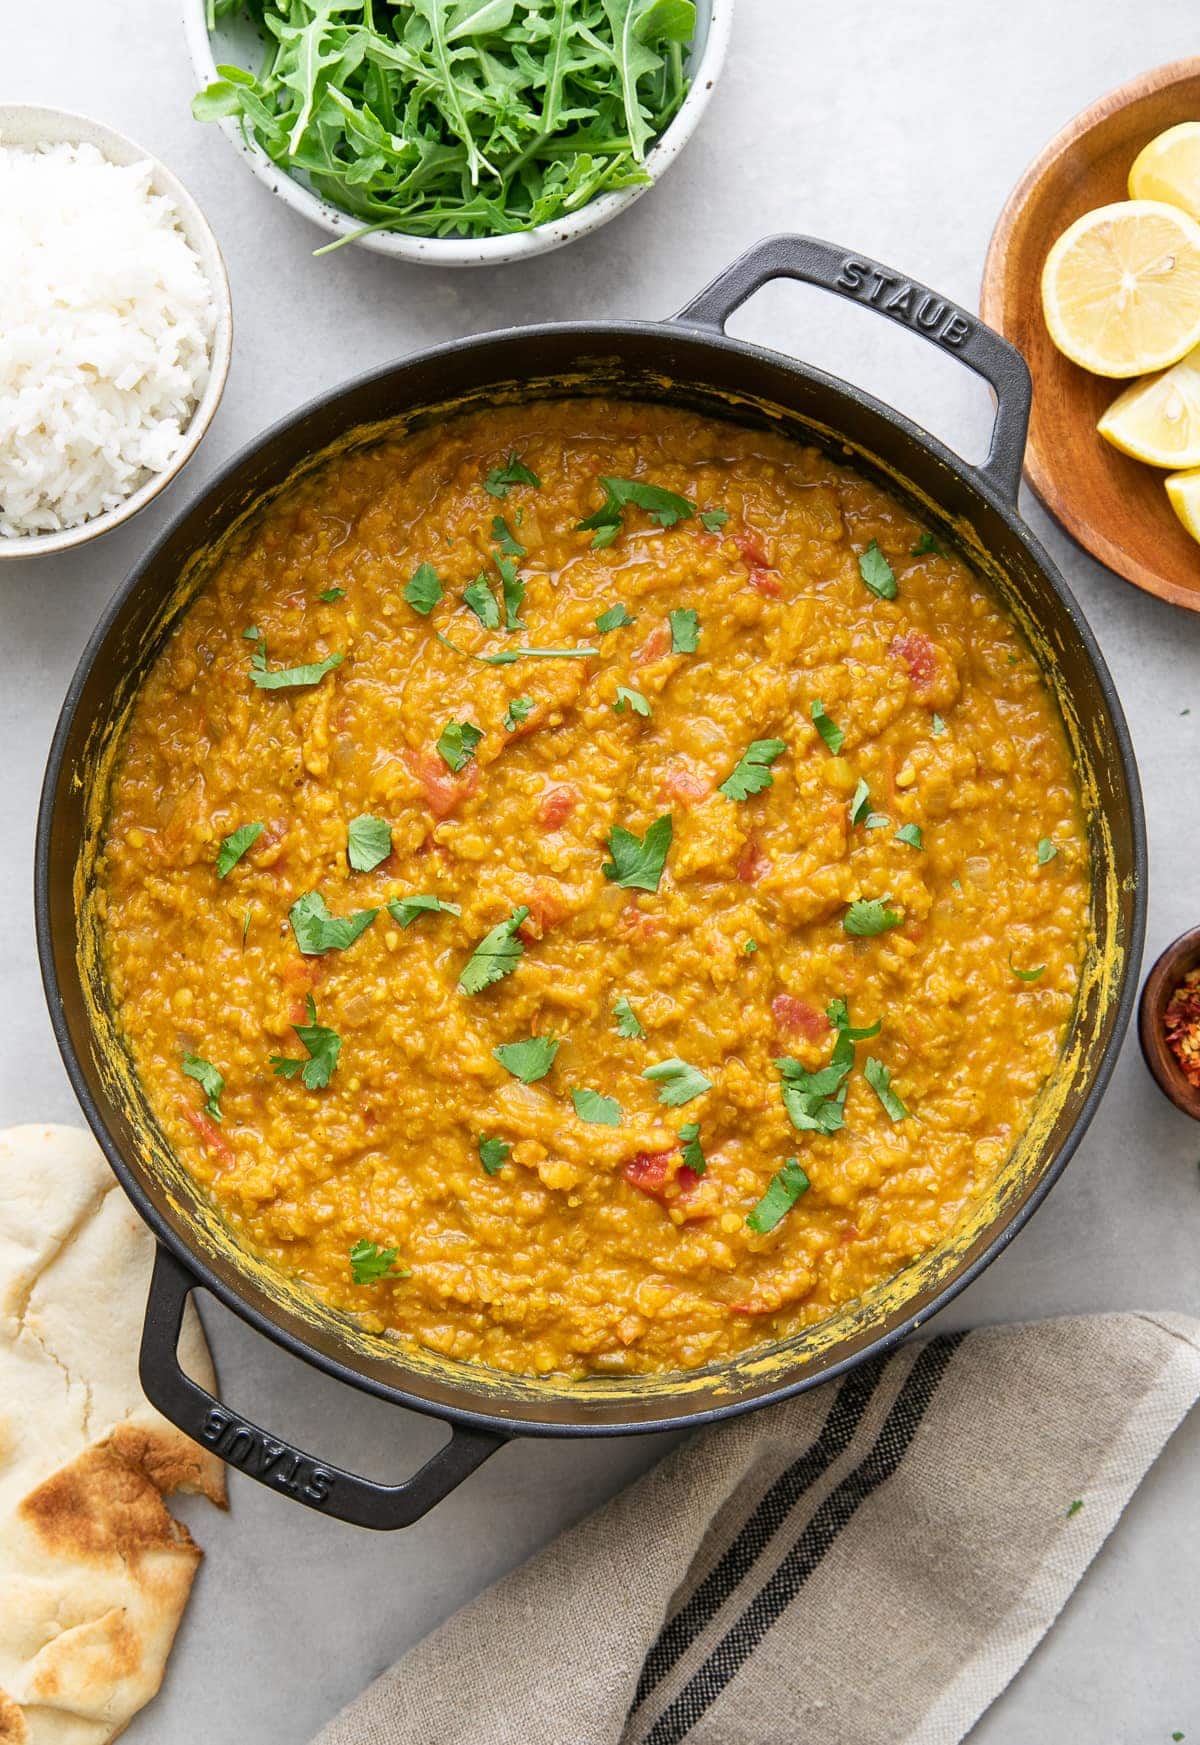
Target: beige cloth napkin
{"points": [[869, 1564]]}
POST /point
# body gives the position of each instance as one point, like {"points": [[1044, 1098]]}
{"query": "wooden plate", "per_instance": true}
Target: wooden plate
{"points": [[1115, 507]]}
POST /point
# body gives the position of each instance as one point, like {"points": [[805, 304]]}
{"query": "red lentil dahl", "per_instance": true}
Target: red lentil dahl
{"points": [[903, 835]]}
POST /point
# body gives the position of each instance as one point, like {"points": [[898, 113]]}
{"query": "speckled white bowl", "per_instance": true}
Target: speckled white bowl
{"points": [[236, 43], [28, 124]]}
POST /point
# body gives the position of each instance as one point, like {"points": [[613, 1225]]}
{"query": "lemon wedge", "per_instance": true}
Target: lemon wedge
{"points": [[1168, 169], [1121, 288], [1158, 420], [1183, 489]]}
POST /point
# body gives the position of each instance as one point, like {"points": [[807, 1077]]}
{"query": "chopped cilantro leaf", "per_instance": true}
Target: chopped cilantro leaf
{"points": [[814, 1100], [323, 1047], [860, 801], [868, 917], [1074, 1510], [600, 1111], [613, 619], [513, 589], [518, 711], [879, 1078], [663, 506], [626, 1019], [501, 480], [712, 520], [627, 699], [830, 732], [292, 677], [752, 772], [209, 1080], [457, 743], [492, 1154], [234, 846], [677, 1082], [507, 656], [317, 931], [925, 543], [370, 1263], [329, 595], [685, 630], [505, 538], [876, 572], [425, 590], [479, 597], [246, 919], [838, 1013], [496, 955], [936, 724], [1046, 851], [638, 864], [910, 834], [530, 1060], [693, 1154], [787, 1185], [750, 947], [406, 909], [252, 633], [368, 842], [1026, 975], [876, 821]]}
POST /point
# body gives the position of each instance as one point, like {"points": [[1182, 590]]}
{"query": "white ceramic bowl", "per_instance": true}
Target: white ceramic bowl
{"points": [[236, 43], [28, 124]]}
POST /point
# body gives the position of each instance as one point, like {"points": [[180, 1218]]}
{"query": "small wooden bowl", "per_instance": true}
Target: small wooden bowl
{"points": [[1115, 507], [1164, 978]]}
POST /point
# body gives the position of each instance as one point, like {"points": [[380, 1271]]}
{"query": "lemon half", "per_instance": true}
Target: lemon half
{"points": [[1158, 420], [1169, 169], [1121, 288], [1183, 489]]}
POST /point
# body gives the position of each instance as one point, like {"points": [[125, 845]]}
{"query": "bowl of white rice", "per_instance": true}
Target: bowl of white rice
{"points": [[115, 329]]}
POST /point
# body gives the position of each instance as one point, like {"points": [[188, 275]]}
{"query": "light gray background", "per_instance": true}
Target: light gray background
{"points": [[894, 129]]}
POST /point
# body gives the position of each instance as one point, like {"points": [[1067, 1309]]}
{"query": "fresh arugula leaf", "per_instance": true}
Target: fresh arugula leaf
{"points": [[209, 1080], [405, 910], [505, 538], [627, 699], [787, 1185], [936, 724], [910, 834], [530, 1060], [513, 589], [323, 1047], [830, 732], [501, 480], [860, 802], [424, 590], [234, 846], [870, 916], [493, 1154], [665, 507], [317, 931], [613, 618], [638, 864], [712, 520], [752, 772], [370, 1263], [368, 842], [1046, 851], [925, 543], [518, 711], [599, 1111], [880, 1080], [1026, 975], [496, 955], [329, 595], [479, 597], [677, 1082], [876, 572], [685, 630], [457, 742], [626, 1020], [693, 1154], [667, 21], [291, 677]]}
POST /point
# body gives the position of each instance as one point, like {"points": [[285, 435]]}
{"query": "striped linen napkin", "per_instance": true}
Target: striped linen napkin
{"points": [[869, 1564]]}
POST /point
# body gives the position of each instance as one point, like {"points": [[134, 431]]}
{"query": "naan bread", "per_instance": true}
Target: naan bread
{"points": [[94, 1570]]}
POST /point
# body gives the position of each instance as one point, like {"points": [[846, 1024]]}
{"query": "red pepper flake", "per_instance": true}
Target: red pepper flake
{"points": [[1181, 1022]]}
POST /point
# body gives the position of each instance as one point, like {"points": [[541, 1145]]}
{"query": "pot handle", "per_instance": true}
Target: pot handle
{"points": [[935, 318], [278, 1464]]}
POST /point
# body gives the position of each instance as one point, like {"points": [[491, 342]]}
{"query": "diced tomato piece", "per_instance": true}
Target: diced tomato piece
{"points": [[796, 1017], [649, 1171], [765, 582], [919, 655], [556, 805], [546, 904], [850, 1233], [635, 923], [209, 1132], [688, 1181], [297, 599], [442, 789], [753, 1307], [753, 864], [753, 551], [655, 646], [685, 784]]}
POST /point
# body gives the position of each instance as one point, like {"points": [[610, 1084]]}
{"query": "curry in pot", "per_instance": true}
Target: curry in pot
{"points": [[592, 888]]}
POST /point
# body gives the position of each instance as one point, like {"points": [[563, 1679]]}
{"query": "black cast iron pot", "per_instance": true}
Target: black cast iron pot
{"points": [[687, 361]]}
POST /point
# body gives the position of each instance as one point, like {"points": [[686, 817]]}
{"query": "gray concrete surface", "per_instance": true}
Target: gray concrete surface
{"points": [[893, 129]]}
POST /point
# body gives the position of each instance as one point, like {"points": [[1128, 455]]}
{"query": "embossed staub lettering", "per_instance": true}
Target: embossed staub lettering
{"points": [[904, 301], [264, 1458]]}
